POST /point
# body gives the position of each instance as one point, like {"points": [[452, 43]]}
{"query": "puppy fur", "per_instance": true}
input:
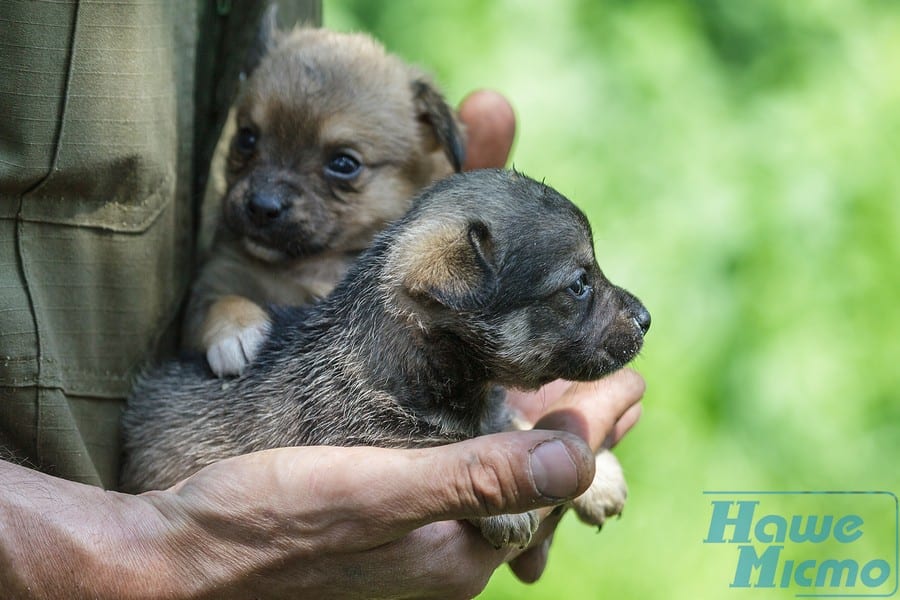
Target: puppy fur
{"points": [[333, 138], [411, 349]]}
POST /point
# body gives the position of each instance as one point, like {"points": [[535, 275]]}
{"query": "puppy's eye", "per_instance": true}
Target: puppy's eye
{"points": [[343, 166], [580, 288], [245, 141]]}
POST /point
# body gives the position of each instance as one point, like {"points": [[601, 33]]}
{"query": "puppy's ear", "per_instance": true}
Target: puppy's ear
{"points": [[454, 267], [440, 121], [266, 38]]}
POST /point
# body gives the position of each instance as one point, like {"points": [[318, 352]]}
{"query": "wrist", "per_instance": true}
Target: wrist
{"points": [[60, 539]]}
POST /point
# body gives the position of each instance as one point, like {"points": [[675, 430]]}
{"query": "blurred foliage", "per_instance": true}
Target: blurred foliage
{"points": [[739, 162]]}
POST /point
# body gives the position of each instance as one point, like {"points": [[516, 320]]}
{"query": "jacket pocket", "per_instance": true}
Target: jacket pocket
{"points": [[101, 129]]}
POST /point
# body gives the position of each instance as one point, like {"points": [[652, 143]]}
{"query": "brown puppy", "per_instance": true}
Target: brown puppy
{"points": [[334, 137], [450, 303]]}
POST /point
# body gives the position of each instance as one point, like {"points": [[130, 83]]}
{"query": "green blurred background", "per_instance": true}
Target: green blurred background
{"points": [[740, 162]]}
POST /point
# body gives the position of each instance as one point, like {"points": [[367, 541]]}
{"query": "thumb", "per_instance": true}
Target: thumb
{"points": [[362, 497], [399, 490]]}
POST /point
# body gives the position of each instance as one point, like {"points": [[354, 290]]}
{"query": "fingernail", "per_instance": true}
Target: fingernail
{"points": [[553, 470]]}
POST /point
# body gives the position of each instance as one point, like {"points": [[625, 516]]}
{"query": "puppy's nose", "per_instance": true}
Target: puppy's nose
{"points": [[263, 207], [642, 318]]}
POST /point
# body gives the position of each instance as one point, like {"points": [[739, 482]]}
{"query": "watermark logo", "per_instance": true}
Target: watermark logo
{"points": [[814, 544]]}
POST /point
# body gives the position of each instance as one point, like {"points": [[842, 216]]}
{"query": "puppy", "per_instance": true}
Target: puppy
{"points": [[334, 137], [411, 349]]}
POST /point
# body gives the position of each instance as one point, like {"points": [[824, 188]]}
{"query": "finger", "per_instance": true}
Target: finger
{"points": [[623, 425], [395, 491], [447, 559], [531, 405], [591, 410], [530, 565], [490, 129]]}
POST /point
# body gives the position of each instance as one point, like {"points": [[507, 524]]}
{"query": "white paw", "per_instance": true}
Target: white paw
{"points": [[606, 496], [233, 348], [508, 530]]}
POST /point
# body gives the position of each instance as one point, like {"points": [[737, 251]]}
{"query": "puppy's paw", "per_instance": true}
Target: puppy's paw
{"points": [[230, 355], [606, 496], [233, 332], [508, 530]]}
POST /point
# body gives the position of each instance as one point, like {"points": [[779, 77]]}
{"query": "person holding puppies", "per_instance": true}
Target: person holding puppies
{"points": [[259, 525]]}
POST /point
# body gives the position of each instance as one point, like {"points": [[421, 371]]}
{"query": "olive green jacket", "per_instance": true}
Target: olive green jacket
{"points": [[109, 113]]}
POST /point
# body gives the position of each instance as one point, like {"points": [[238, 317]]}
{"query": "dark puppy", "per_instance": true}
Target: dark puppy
{"points": [[333, 138], [490, 280]]}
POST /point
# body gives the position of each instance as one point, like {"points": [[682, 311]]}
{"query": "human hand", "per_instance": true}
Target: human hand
{"points": [[600, 412], [362, 522], [307, 522]]}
